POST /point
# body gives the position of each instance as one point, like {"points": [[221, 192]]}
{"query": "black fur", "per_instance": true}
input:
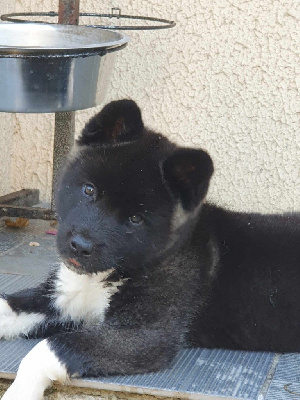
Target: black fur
{"points": [[193, 274], [118, 121], [187, 173]]}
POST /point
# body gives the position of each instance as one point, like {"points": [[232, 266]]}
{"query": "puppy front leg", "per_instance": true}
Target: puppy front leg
{"points": [[103, 351], [19, 314], [24, 313], [36, 372]]}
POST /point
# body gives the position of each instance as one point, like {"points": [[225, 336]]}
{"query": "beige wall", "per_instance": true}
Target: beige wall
{"points": [[227, 78]]}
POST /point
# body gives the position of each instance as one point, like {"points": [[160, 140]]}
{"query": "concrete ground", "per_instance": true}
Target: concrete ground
{"points": [[194, 374]]}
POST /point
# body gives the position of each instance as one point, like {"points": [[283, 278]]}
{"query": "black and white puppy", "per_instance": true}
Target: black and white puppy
{"points": [[147, 267]]}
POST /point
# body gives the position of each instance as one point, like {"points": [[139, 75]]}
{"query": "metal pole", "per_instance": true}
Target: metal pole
{"points": [[68, 14]]}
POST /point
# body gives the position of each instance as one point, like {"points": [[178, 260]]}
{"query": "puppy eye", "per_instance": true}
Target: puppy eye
{"points": [[136, 219], [88, 189]]}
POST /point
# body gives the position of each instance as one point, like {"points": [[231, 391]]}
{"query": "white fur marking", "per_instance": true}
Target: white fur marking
{"points": [[179, 217], [36, 372], [14, 324], [82, 297]]}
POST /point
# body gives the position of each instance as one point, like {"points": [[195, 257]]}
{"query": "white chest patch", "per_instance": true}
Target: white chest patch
{"points": [[83, 297]]}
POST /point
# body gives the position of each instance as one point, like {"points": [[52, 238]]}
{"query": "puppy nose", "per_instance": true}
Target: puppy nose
{"points": [[81, 246]]}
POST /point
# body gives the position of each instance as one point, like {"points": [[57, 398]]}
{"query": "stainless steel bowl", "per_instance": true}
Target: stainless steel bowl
{"points": [[51, 68]]}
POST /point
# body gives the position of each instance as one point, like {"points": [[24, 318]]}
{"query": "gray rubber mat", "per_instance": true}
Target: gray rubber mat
{"points": [[286, 380], [211, 372], [12, 352], [12, 283], [195, 373]]}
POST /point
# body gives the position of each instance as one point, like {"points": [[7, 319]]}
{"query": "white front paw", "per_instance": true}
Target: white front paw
{"points": [[36, 372], [14, 324], [22, 391]]}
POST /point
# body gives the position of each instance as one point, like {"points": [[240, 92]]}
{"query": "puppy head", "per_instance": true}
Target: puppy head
{"points": [[118, 194]]}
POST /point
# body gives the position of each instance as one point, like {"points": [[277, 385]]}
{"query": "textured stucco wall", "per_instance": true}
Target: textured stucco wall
{"points": [[6, 132], [227, 78]]}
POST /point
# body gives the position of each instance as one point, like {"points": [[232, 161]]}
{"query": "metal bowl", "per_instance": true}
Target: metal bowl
{"points": [[51, 68]]}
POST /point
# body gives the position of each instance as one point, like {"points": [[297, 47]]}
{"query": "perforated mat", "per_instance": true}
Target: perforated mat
{"points": [[195, 373]]}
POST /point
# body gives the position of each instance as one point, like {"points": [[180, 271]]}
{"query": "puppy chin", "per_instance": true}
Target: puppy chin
{"points": [[73, 265], [81, 269], [74, 262]]}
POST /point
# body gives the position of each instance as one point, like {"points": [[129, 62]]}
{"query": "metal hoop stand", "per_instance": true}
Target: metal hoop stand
{"points": [[115, 13], [19, 204]]}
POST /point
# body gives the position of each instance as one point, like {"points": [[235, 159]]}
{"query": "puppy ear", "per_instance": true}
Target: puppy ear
{"points": [[187, 173], [119, 121]]}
